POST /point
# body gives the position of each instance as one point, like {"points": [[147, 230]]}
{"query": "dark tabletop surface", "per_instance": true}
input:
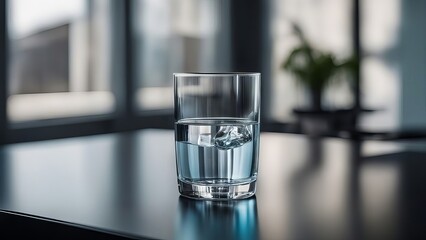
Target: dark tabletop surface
{"points": [[124, 185]]}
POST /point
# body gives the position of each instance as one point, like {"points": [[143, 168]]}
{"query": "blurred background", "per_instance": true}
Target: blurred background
{"points": [[81, 67]]}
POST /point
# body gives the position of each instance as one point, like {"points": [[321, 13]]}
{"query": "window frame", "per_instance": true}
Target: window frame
{"points": [[3, 71], [124, 118], [249, 20]]}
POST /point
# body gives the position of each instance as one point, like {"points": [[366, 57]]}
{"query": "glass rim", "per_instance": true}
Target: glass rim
{"points": [[218, 74]]}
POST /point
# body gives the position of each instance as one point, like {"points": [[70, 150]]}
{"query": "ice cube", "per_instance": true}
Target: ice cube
{"points": [[229, 137], [205, 140]]}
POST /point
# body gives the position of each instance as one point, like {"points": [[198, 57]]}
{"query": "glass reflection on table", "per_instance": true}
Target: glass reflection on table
{"points": [[217, 219]]}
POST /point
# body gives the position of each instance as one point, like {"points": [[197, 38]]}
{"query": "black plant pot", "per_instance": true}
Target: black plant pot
{"points": [[325, 122]]}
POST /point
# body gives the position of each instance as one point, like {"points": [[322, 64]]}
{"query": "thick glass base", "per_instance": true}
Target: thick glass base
{"points": [[217, 191]]}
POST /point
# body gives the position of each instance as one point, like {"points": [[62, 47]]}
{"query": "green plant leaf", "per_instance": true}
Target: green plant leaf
{"points": [[315, 69]]}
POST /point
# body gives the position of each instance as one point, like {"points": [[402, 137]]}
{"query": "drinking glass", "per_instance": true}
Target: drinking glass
{"points": [[217, 134]]}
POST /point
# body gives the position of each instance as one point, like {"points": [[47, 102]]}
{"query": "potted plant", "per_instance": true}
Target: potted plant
{"points": [[316, 70]]}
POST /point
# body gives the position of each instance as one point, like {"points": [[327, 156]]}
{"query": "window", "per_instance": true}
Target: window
{"points": [[109, 64], [59, 59], [393, 67], [176, 36], [328, 26]]}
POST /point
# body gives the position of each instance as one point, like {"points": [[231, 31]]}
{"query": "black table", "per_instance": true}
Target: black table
{"points": [[124, 186]]}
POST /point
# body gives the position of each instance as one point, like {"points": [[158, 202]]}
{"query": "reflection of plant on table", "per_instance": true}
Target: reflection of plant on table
{"points": [[315, 69]]}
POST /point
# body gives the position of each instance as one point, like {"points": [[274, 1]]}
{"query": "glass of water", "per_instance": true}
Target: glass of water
{"points": [[217, 134]]}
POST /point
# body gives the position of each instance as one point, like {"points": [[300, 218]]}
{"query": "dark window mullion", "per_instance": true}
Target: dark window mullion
{"points": [[123, 81], [250, 43], [356, 32], [3, 71]]}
